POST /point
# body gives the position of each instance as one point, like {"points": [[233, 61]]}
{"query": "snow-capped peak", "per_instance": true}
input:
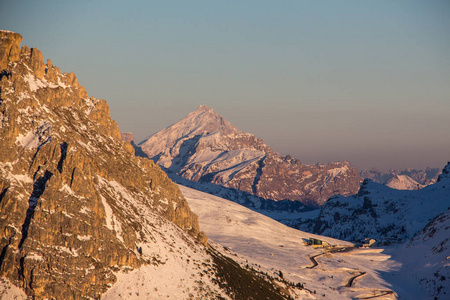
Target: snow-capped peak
{"points": [[205, 120], [201, 122], [205, 147], [403, 182], [204, 108]]}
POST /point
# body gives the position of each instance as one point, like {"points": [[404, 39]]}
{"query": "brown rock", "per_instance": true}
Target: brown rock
{"points": [[9, 48], [127, 137], [37, 63], [73, 197]]}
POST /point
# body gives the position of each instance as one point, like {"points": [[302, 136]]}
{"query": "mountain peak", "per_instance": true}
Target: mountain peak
{"points": [[205, 147], [204, 108], [403, 182], [205, 120]]}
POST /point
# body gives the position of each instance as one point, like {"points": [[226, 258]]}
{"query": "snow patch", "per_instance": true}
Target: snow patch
{"points": [[85, 210], [84, 238], [10, 291], [336, 171], [111, 221], [35, 138], [36, 83], [34, 256]]}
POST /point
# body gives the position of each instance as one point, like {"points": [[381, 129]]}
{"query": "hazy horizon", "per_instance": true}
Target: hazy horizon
{"points": [[367, 82]]}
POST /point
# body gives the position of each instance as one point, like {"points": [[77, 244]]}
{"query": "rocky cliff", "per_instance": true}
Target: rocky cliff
{"points": [[76, 205], [206, 148]]}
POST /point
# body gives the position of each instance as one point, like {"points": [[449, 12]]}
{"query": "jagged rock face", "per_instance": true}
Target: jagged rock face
{"points": [[10, 50], [388, 215], [205, 147], [75, 203]]}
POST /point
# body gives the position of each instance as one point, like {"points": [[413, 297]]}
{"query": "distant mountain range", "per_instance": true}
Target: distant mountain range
{"points": [[422, 177], [383, 213], [204, 147]]}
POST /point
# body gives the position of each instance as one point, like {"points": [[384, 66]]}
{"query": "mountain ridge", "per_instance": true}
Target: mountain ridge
{"points": [[423, 177], [385, 214], [204, 147]]}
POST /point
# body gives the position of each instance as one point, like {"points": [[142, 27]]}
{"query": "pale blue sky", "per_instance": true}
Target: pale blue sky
{"points": [[363, 81]]}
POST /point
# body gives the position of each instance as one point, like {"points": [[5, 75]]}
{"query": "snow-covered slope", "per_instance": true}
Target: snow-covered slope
{"points": [[260, 242], [386, 214], [424, 262], [403, 182], [204, 147]]}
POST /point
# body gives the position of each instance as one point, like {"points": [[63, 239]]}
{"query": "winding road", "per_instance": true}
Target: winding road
{"points": [[351, 280], [314, 261]]}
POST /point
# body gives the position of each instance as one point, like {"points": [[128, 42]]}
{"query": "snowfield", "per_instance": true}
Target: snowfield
{"points": [[269, 246]]}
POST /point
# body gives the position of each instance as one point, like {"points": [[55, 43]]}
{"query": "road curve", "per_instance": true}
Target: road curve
{"points": [[351, 279], [314, 261]]}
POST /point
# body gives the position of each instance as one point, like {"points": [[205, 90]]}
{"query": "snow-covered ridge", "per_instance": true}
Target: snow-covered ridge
{"points": [[425, 262], [445, 175]]}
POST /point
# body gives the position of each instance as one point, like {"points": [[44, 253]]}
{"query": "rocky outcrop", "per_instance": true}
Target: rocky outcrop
{"points": [[10, 49], [205, 148], [127, 137], [76, 205]]}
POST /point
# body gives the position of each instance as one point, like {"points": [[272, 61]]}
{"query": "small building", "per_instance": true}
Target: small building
{"points": [[316, 243], [368, 242]]}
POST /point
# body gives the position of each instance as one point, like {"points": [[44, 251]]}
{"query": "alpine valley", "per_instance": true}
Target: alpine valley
{"points": [[85, 214]]}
